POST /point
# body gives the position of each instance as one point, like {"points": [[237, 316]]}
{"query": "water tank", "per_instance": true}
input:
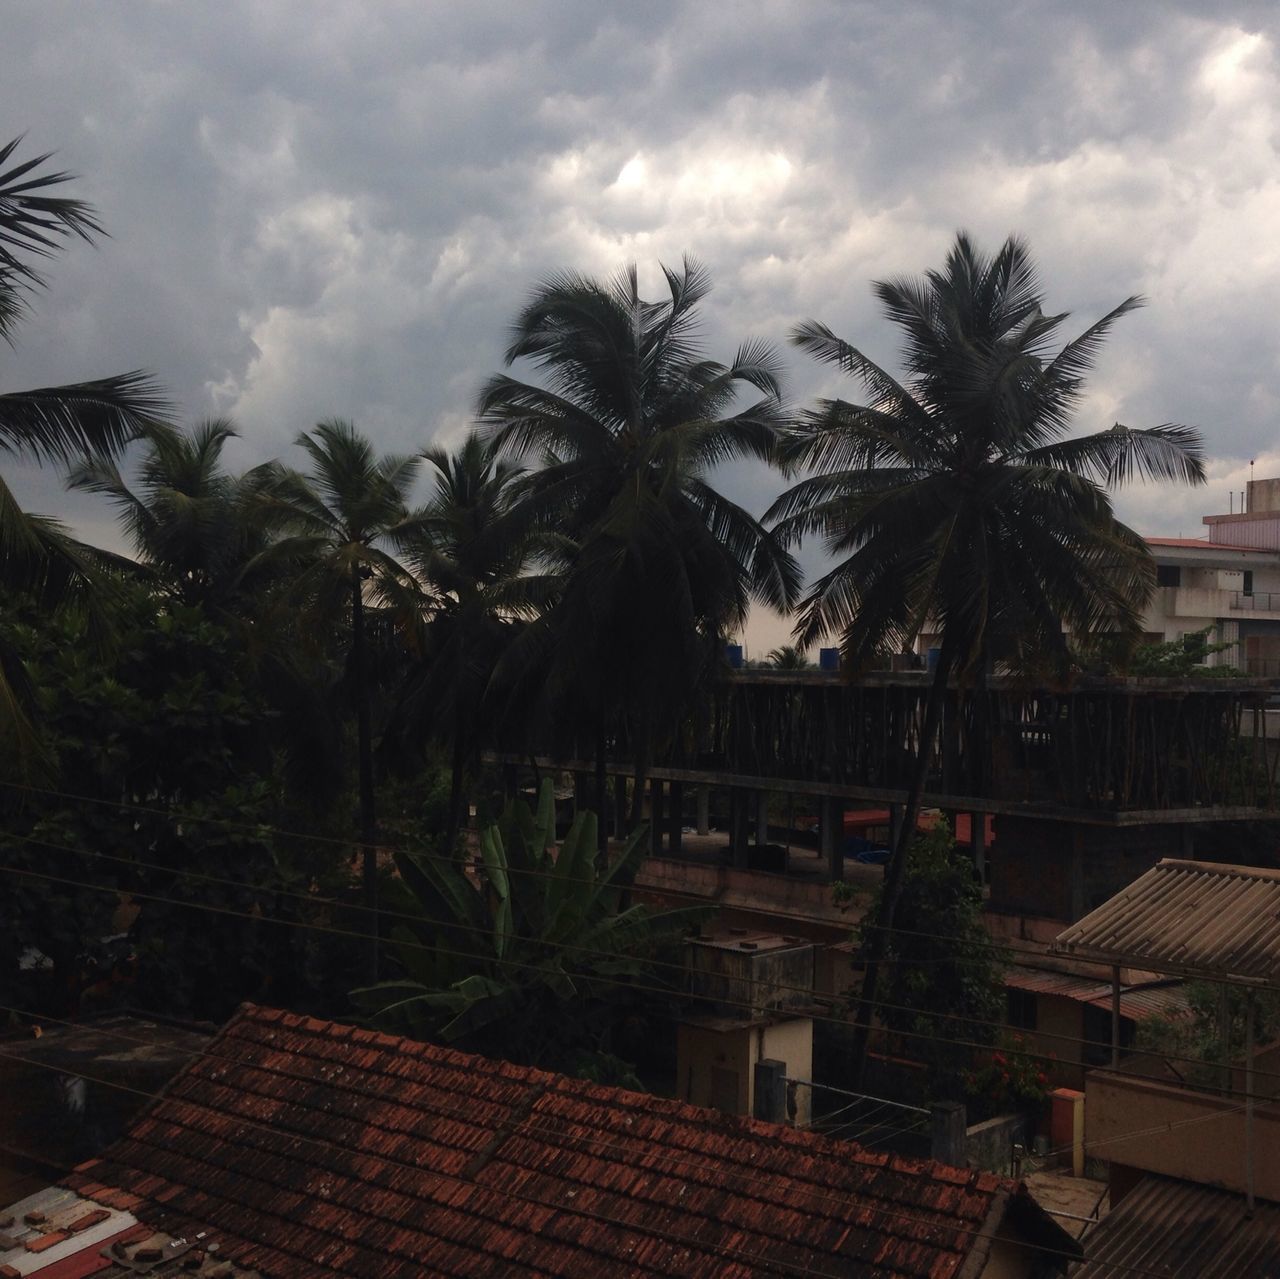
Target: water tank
{"points": [[932, 658], [733, 655], [828, 659]]}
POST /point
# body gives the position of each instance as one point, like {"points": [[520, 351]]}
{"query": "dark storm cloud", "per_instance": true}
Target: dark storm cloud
{"points": [[324, 209]]}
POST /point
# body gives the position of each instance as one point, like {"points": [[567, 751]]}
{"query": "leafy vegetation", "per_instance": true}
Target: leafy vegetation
{"points": [[957, 499], [940, 965], [1214, 1033], [216, 746], [523, 954]]}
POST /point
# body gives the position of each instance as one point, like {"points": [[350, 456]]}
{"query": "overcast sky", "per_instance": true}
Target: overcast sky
{"points": [[326, 209]]}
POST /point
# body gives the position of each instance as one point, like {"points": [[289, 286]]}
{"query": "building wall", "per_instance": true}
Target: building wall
{"points": [[715, 1062], [1056, 1016], [1062, 870], [1179, 1133]]}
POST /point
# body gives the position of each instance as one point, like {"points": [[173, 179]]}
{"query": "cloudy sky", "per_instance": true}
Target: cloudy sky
{"points": [[326, 209]]}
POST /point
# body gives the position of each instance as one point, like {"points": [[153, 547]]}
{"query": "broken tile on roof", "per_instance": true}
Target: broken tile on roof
{"points": [[297, 1147]]}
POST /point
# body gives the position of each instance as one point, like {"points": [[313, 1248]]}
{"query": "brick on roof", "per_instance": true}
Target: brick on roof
{"points": [[315, 1148]]}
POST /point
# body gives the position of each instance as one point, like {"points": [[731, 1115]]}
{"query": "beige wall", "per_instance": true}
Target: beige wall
{"points": [[1056, 1015], [715, 1063], [1145, 1125]]}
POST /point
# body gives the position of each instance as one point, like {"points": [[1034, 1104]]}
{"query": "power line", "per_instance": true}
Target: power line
{"points": [[550, 1131], [265, 828], [456, 925], [598, 979], [670, 1237]]}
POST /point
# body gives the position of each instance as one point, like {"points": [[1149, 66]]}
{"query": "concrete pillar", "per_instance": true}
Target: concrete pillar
{"points": [[704, 810], [619, 806], [1115, 1017], [738, 826], [978, 840], [770, 1091], [947, 1127], [895, 824], [655, 815], [762, 817], [1248, 1104], [675, 808], [831, 836]]}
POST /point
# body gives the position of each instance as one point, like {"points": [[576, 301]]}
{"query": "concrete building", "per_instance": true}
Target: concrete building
{"points": [[1227, 582]]}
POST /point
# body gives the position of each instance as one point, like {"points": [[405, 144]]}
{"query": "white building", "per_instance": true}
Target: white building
{"points": [[1229, 583]]}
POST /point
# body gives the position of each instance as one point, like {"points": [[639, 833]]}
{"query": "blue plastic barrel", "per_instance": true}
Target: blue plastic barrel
{"points": [[828, 659], [733, 655]]}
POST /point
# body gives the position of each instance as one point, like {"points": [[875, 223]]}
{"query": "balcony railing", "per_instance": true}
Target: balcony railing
{"points": [[1255, 601]]}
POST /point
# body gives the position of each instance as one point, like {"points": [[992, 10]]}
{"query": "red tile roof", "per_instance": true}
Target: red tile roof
{"points": [[315, 1148]]}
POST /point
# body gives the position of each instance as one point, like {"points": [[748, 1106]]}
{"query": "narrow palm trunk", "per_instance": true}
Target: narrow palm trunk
{"points": [[364, 750], [874, 950], [459, 765], [602, 786]]}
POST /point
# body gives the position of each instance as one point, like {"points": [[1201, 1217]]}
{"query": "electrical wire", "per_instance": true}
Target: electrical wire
{"points": [[262, 828], [964, 1018], [550, 1131], [670, 1237]]}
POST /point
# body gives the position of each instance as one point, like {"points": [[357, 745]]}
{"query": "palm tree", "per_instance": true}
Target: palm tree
{"points": [[195, 525], [790, 657], [53, 423], [340, 519], [487, 572], [957, 498], [627, 429]]}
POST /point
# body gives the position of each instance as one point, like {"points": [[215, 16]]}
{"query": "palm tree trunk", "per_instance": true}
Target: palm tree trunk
{"points": [[364, 750], [602, 786], [459, 765], [874, 949]]}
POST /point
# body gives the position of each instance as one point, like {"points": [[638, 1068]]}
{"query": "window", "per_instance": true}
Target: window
{"points": [[1021, 1008], [1168, 574], [1248, 582]]}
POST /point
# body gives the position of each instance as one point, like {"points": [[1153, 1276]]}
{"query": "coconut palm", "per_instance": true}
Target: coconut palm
{"points": [[340, 521], [195, 525], [487, 572], [955, 499], [627, 429], [53, 423]]}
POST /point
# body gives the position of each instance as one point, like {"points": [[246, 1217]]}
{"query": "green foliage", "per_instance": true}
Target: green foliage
{"points": [[941, 965], [523, 955], [1006, 1078], [1200, 1035], [1180, 658], [630, 423], [169, 722]]}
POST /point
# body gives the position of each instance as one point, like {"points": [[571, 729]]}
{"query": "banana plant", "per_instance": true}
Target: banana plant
{"points": [[532, 951]]}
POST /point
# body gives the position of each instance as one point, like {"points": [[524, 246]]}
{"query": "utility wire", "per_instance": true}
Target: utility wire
{"points": [[553, 1131], [264, 828], [679, 969], [686, 1241], [593, 978]]}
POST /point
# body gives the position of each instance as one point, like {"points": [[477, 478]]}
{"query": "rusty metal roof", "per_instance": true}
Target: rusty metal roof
{"points": [[1195, 919], [1182, 1230], [313, 1148], [1137, 1002]]}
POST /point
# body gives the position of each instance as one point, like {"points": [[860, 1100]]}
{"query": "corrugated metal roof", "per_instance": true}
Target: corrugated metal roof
{"points": [[1196, 919], [316, 1148], [1183, 1231], [1163, 999]]}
